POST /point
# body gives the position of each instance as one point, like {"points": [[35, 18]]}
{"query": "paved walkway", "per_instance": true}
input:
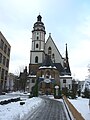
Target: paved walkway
{"points": [[49, 110]]}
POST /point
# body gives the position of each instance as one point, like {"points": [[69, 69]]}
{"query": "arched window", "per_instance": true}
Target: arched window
{"points": [[33, 80], [37, 37], [53, 58], [36, 45], [47, 74], [49, 48], [36, 59], [49, 51], [53, 55]]}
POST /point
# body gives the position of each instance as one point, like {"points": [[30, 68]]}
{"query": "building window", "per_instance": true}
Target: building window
{"points": [[53, 55], [4, 60], [36, 59], [33, 80], [1, 84], [36, 45], [0, 57], [64, 81], [5, 48], [53, 58], [1, 44], [8, 52], [69, 86], [41, 73], [6, 73], [49, 51], [7, 63], [2, 74], [47, 74], [37, 37]]}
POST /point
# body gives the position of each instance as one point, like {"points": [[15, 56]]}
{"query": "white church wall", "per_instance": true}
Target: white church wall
{"points": [[58, 58], [32, 45], [37, 42], [39, 54], [42, 45], [68, 83]]}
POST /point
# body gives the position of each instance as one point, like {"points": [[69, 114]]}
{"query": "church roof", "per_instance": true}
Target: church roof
{"points": [[39, 18], [60, 68], [48, 62], [39, 25]]}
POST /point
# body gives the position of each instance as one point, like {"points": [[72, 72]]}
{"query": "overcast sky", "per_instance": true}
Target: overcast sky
{"points": [[68, 21]]}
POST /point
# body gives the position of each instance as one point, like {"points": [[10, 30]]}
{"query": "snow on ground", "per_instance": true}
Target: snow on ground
{"points": [[13, 95], [82, 105], [15, 111]]}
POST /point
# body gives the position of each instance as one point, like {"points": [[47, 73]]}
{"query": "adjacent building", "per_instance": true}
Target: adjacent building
{"points": [[10, 84], [4, 61], [47, 66], [80, 85]]}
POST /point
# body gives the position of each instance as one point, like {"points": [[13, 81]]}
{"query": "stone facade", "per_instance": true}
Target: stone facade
{"points": [[4, 61], [48, 78]]}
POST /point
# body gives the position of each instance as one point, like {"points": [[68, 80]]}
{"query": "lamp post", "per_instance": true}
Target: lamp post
{"points": [[56, 94]]}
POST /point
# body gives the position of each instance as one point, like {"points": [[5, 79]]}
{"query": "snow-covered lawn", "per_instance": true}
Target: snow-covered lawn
{"points": [[15, 111], [82, 105]]}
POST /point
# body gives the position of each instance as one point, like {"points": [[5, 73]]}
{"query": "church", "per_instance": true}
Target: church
{"points": [[47, 66]]}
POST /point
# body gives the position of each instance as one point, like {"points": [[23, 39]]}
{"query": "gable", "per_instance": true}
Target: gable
{"points": [[54, 50]]}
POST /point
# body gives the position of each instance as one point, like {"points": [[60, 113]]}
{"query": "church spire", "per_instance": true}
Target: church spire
{"points": [[66, 53], [67, 67], [39, 18]]}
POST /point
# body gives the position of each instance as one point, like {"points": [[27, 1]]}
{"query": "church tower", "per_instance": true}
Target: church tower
{"points": [[37, 52]]}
